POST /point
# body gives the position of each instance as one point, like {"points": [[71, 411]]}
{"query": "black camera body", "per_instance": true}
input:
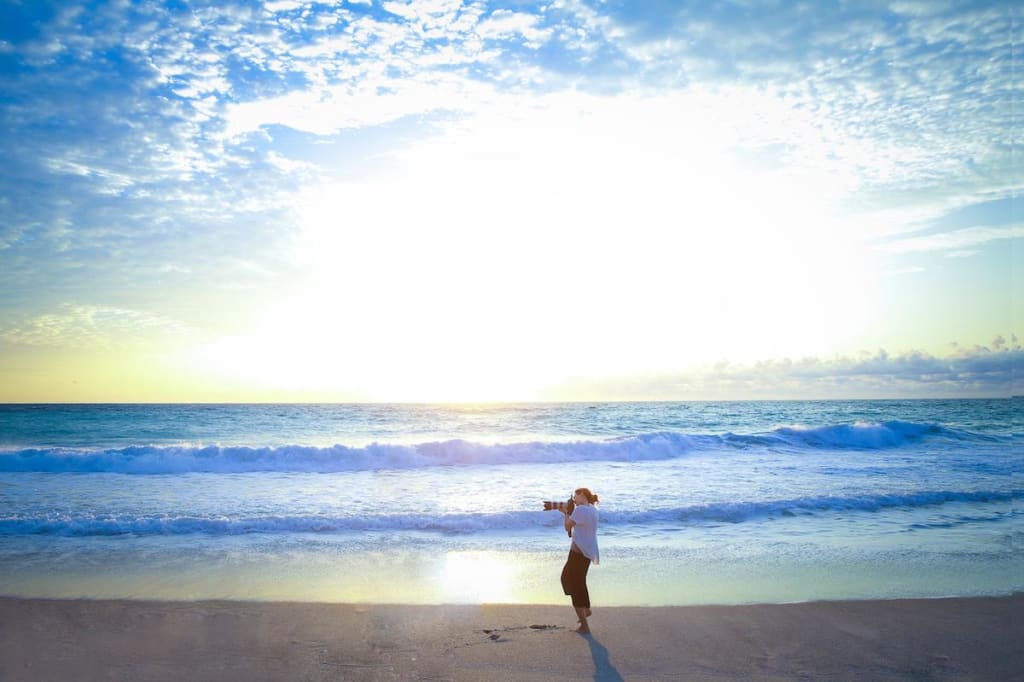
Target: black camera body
{"points": [[565, 507]]}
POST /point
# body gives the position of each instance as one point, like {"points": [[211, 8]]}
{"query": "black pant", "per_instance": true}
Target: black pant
{"points": [[574, 579]]}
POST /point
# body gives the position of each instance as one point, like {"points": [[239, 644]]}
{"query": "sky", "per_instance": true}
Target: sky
{"points": [[462, 200]]}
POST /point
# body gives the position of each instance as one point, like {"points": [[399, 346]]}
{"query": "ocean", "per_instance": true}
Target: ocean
{"points": [[701, 502]]}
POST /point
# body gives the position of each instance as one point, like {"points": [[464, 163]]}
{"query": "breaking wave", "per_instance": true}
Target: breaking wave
{"points": [[457, 523], [661, 445]]}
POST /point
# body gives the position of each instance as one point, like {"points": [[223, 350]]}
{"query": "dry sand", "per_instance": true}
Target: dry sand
{"points": [[963, 639]]}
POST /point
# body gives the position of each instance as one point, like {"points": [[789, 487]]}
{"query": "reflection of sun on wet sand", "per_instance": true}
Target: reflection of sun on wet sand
{"points": [[974, 639]]}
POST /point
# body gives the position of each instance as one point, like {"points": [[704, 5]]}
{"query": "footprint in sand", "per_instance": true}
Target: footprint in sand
{"points": [[494, 634]]}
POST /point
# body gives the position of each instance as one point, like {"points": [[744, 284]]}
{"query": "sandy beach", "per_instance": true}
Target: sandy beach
{"points": [[957, 638]]}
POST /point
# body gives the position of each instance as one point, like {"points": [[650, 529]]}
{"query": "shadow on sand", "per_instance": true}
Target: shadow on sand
{"points": [[604, 671]]}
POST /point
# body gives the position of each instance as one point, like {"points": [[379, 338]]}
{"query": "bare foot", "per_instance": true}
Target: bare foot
{"points": [[583, 629]]}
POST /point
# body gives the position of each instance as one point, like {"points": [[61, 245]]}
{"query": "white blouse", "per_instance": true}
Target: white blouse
{"points": [[584, 533]]}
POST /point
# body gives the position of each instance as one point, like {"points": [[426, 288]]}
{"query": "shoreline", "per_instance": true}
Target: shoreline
{"points": [[939, 638]]}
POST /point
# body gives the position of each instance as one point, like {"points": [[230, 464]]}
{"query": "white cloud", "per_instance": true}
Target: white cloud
{"points": [[918, 8], [78, 326], [589, 25], [506, 24], [373, 102], [288, 165], [110, 182], [426, 14], [285, 5], [912, 107], [955, 241]]}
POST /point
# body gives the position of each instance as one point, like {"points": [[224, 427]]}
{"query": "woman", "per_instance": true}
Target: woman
{"points": [[582, 525]]}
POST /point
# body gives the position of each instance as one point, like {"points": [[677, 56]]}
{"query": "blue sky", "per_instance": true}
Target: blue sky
{"points": [[448, 200]]}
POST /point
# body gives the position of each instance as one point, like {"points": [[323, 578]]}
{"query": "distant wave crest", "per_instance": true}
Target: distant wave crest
{"points": [[661, 445]]}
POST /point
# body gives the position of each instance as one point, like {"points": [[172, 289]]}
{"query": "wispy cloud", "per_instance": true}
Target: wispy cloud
{"points": [[956, 242], [155, 97], [503, 24], [915, 104], [75, 326]]}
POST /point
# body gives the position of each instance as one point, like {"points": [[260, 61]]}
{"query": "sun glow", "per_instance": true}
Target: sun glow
{"points": [[478, 577], [512, 252]]}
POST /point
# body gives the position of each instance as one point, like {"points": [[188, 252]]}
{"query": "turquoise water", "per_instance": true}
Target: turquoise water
{"points": [[701, 502]]}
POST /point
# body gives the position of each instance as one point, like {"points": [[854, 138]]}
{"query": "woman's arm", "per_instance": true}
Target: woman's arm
{"points": [[569, 523]]}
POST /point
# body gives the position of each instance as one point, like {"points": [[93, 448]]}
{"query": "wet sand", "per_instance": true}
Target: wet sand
{"points": [[926, 639]]}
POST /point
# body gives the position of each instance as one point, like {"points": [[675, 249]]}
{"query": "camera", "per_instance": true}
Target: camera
{"points": [[566, 507]]}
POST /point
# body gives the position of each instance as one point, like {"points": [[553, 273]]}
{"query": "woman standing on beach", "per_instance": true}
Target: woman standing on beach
{"points": [[582, 525]]}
